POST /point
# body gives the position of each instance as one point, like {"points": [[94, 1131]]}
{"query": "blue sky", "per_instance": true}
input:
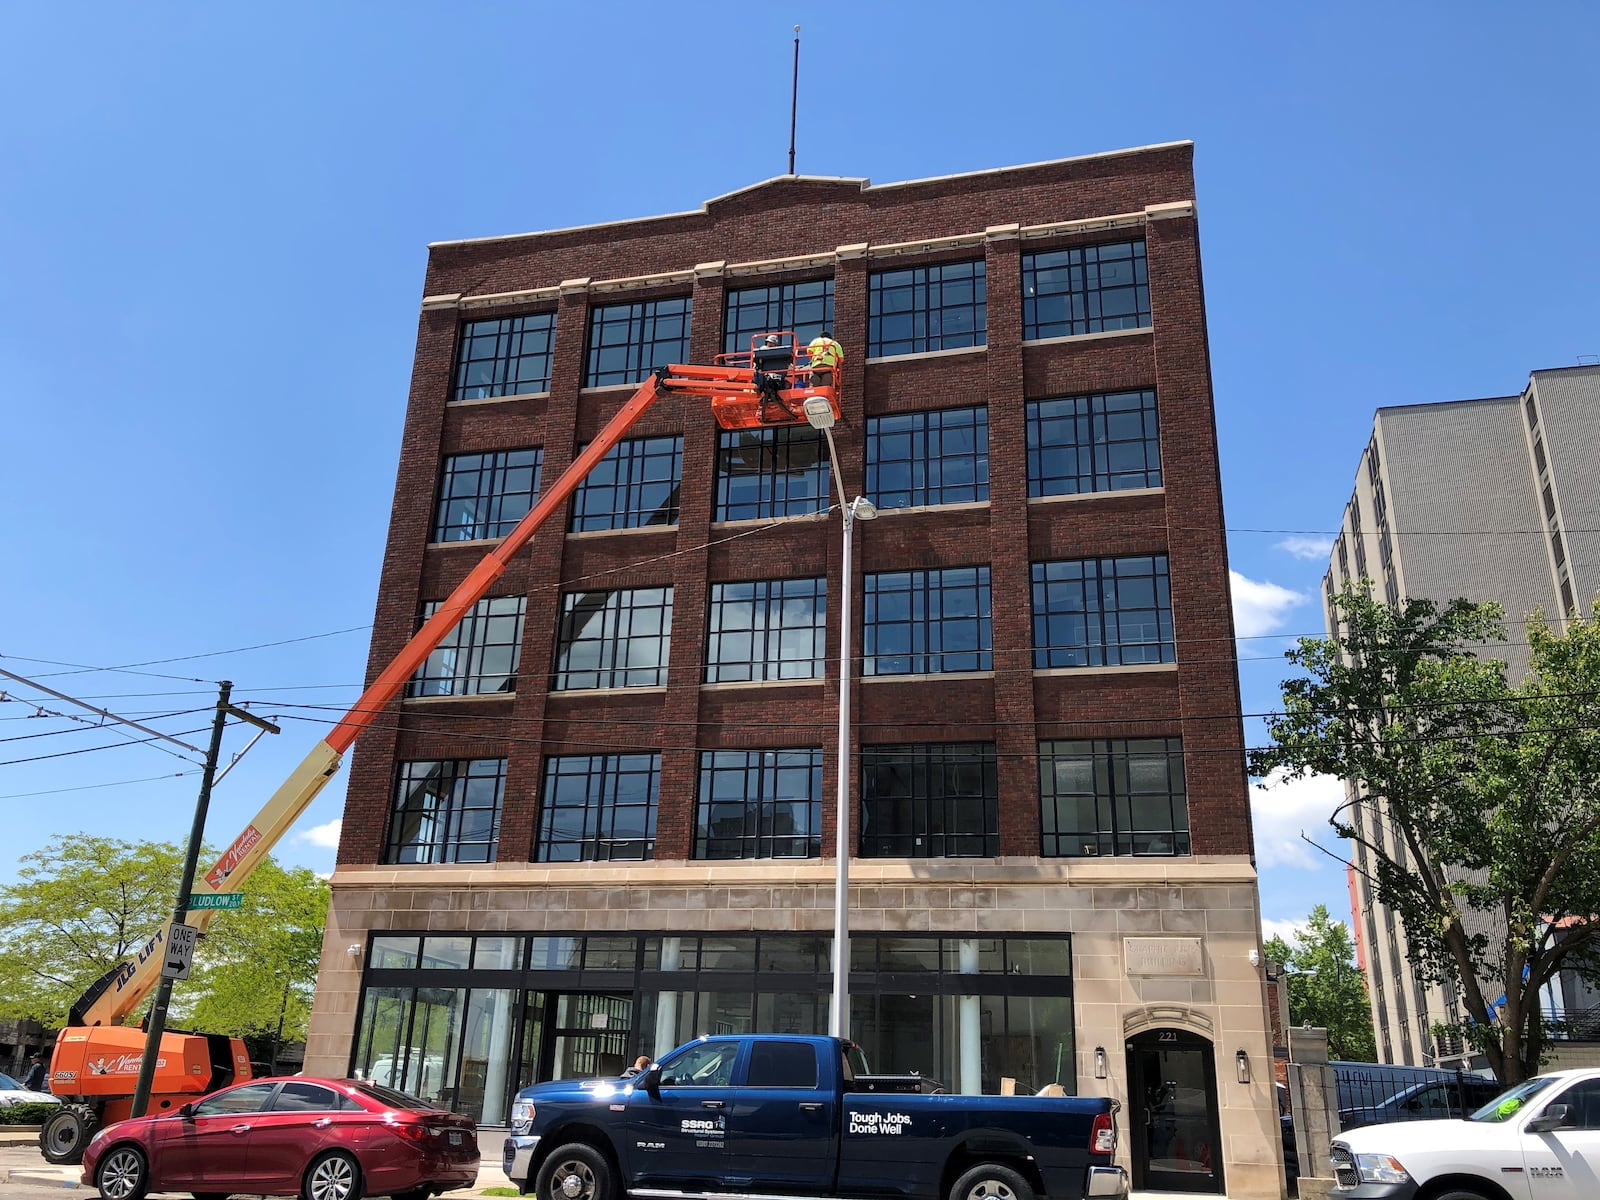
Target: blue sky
{"points": [[213, 225]]}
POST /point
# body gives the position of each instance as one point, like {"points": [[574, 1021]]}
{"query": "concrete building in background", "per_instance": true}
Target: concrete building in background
{"points": [[601, 822], [1494, 499]]}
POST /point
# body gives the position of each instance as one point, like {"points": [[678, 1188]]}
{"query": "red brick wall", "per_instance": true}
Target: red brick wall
{"points": [[1015, 709]]}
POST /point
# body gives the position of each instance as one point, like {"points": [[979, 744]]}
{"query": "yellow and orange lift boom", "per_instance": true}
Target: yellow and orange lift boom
{"points": [[751, 389]]}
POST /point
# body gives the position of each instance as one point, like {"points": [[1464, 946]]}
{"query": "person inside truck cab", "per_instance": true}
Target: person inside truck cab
{"points": [[709, 1064]]}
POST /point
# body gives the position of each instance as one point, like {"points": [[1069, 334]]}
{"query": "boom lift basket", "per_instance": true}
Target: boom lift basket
{"points": [[741, 402]]}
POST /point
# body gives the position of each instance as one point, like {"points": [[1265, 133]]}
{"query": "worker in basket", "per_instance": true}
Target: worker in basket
{"points": [[772, 360], [825, 354]]}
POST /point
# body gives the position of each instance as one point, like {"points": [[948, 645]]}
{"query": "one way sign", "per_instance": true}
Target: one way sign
{"points": [[180, 951]]}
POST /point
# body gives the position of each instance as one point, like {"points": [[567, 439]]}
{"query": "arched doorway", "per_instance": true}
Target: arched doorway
{"points": [[1172, 1112]]}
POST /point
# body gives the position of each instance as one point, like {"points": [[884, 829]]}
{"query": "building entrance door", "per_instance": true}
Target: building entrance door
{"points": [[581, 1035], [1172, 1102]]}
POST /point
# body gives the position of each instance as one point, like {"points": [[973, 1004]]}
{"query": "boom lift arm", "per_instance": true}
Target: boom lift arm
{"points": [[741, 397]]}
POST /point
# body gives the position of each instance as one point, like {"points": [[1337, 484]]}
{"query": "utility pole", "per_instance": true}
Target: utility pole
{"points": [[156, 1022]]}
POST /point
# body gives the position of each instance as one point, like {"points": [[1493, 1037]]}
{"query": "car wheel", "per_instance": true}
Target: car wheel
{"points": [[66, 1132], [991, 1181], [122, 1174], [574, 1172], [334, 1176]]}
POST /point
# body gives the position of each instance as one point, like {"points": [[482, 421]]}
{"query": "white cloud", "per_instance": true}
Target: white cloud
{"points": [[1281, 808], [1260, 608], [1284, 929], [1307, 547], [325, 835]]}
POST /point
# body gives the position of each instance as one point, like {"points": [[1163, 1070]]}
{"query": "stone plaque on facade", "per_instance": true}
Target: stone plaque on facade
{"points": [[1162, 956]]}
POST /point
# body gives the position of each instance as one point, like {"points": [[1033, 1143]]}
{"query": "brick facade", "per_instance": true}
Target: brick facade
{"points": [[847, 229]]}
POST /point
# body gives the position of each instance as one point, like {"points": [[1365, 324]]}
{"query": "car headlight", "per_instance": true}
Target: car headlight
{"points": [[521, 1116], [1380, 1168]]}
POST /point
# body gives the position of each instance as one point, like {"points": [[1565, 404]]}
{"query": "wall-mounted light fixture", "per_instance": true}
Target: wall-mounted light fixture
{"points": [[353, 949], [1241, 1060], [1099, 1062]]}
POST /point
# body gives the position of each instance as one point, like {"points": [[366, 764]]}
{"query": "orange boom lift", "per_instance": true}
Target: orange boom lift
{"points": [[96, 1059]]}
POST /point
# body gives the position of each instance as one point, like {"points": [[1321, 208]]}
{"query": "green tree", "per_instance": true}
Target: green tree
{"points": [[257, 968], [1476, 796], [82, 905], [78, 907], [1325, 987]]}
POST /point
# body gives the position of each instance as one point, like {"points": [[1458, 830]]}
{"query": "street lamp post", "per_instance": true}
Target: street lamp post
{"points": [[819, 412]]}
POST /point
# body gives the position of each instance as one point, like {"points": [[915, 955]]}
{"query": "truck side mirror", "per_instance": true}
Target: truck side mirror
{"points": [[650, 1081], [1553, 1117]]}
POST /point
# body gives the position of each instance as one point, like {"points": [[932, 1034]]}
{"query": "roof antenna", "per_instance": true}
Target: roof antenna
{"points": [[794, 96]]}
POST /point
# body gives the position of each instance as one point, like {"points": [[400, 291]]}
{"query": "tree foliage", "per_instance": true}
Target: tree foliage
{"points": [[1479, 805], [258, 968], [81, 905], [78, 907], [1325, 987]]}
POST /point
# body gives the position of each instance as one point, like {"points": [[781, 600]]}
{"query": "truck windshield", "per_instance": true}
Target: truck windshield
{"points": [[1509, 1103]]}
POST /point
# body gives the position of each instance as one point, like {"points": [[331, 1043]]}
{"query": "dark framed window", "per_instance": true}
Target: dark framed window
{"points": [[508, 357], [1106, 442], [759, 804], [779, 472], [767, 629], [1344, 557], [599, 808], [1085, 289], [634, 485], [485, 495], [628, 341], [614, 639], [478, 656], [806, 308], [1113, 797], [930, 801], [1538, 454], [917, 309], [1102, 612], [923, 622], [447, 811], [939, 457]]}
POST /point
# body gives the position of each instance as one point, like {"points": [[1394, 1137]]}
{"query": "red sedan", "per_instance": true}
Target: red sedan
{"points": [[323, 1139]]}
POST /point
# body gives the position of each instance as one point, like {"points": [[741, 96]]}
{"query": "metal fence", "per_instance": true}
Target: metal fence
{"points": [[1373, 1093]]}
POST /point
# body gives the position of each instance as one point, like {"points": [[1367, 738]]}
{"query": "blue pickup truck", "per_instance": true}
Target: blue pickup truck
{"points": [[771, 1115]]}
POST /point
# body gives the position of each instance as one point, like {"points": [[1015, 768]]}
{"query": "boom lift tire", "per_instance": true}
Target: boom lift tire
{"points": [[574, 1172], [66, 1132], [989, 1181], [123, 1174]]}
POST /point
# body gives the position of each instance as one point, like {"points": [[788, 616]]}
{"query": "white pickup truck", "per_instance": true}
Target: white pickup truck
{"points": [[1537, 1141]]}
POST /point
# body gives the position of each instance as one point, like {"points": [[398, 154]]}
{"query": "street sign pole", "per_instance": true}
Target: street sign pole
{"points": [[156, 1021]]}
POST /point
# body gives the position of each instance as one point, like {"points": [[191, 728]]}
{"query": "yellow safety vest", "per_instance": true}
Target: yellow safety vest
{"points": [[825, 352]]}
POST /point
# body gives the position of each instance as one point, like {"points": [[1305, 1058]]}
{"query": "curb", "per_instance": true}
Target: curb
{"points": [[38, 1179]]}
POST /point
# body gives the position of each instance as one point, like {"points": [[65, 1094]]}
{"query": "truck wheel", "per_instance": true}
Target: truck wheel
{"points": [[123, 1174], [575, 1172], [1461, 1194], [66, 1132], [988, 1181]]}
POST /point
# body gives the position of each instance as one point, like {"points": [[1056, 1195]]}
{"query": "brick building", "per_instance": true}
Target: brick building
{"points": [[1491, 499], [601, 821]]}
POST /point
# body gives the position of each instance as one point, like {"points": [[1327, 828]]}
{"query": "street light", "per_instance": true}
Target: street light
{"points": [[819, 412]]}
